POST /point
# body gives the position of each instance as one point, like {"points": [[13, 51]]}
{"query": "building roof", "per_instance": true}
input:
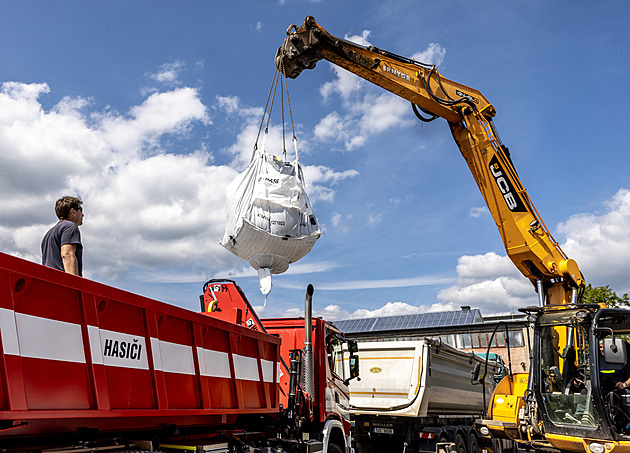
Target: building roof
{"points": [[411, 322], [494, 317]]}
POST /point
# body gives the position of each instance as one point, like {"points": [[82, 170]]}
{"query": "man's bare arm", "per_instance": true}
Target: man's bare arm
{"points": [[69, 258]]}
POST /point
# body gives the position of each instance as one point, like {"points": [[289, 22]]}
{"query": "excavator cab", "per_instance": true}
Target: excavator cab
{"points": [[611, 332], [563, 378], [576, 396]]}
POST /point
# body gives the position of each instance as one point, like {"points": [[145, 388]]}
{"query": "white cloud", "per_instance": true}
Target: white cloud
{"points": [[146, 208], [490, 282], [434, 54], [367, 116], [165, 209], [471, 269], [334, 312], [601, 243], [479, 211], [318, 175], [294, 313], [329, 127], [168, 73], [374, 219], [383, 283], [361, 39], [502, 294], [228, 103], [312, 267], [365, 113], [295, 269], [41, 150], [232, 105], [398, 309], [381, 113], [338, 221], [171, 112], [345, 84], [250, 133], [320, 180]]}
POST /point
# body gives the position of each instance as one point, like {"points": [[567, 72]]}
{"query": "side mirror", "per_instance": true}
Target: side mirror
{"points": [[475, 373], [353, 362], [353, 348], [615, 351]]}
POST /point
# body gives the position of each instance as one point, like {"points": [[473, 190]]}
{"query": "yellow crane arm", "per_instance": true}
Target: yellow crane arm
{"points": [[527, 240]]}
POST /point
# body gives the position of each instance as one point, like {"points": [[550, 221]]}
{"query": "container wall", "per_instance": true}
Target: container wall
{"points": [[416, 378], [449, 383], [74, 348], [390, 375]]}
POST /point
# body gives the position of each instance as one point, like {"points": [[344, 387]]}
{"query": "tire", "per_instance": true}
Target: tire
{"points": [[511, 448], [473, 444], [460, 444], [334, 448], [497, 445]]}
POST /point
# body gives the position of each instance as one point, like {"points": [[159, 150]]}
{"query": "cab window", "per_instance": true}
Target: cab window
{"points": [[334, 346]]}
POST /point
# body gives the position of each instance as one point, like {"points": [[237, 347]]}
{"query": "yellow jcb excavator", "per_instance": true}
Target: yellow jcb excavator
{"points": [[574, 397]]}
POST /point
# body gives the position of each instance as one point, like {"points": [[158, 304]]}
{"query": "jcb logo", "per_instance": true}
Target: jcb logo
{"points": [[513, 201]]}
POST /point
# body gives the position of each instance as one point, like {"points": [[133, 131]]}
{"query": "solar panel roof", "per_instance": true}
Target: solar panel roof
{"points": [[410, 322]]}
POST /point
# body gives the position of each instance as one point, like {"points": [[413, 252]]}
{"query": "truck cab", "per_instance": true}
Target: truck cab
{"points": [[315, 368], [331, 398]]}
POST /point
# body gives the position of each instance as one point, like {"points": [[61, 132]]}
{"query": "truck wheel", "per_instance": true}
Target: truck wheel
{"points": [[497, 445], [334, 448], [509, 446], [473, 444], [460, 444]]}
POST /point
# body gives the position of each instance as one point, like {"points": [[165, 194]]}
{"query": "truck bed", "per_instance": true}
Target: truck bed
{"points": [[417, 378], [76, 354]]}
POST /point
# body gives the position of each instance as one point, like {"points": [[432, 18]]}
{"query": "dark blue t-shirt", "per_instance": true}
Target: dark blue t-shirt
{"points": [[64, 232]]}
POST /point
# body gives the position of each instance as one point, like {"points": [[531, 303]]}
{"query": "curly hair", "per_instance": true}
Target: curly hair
{"points": [[64, 204]]}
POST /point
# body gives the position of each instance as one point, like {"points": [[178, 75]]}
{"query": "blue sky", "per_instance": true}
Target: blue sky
{"points": [[148, 109]]}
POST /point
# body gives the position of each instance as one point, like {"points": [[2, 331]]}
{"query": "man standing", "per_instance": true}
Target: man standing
{"points": [[61, 246]]}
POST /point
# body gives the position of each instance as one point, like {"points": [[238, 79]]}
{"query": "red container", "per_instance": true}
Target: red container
{"points": [[79, 354]]}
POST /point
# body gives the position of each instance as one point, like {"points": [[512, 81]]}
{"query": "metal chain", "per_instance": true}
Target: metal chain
{"points": [[289, 104], [278, 77], [283, 79], [262, 120], [273, 98]]}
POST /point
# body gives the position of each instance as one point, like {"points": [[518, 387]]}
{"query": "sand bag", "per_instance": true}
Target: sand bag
{"points": [[270, 221]]}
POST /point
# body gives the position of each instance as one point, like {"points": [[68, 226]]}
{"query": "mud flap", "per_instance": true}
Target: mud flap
{"points": [[445, 447], [314, 446]]}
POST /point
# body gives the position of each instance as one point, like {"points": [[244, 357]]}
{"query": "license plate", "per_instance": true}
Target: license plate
{"points": [[384, 430]]}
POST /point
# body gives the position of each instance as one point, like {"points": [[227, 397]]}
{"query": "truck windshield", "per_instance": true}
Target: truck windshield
{"points": [[565, 379]]}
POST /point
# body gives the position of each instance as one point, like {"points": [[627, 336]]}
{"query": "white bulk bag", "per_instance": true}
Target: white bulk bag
{"points": [[270, 222]]}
